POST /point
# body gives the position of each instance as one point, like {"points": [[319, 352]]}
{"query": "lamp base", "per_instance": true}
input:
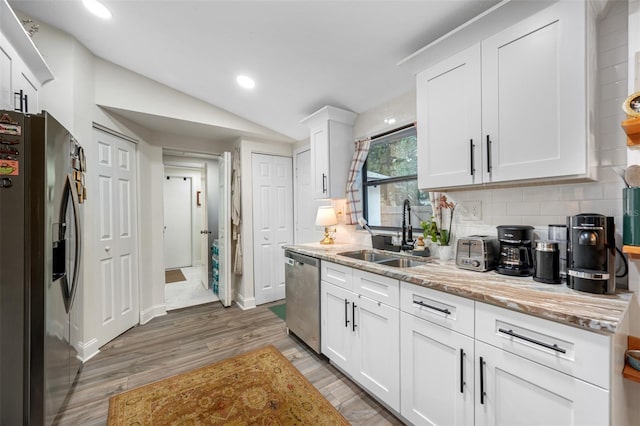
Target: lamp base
{"points": [[327, 239]]}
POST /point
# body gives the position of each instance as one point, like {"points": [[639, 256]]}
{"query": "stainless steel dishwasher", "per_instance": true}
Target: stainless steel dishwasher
{"points": [[302, 287]]}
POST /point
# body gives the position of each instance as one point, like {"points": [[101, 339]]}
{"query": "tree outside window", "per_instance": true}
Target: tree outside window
{"points": [[389, 176]]}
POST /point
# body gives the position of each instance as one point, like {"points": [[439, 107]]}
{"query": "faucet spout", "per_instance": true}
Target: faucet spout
{"points": [[407, 231]]}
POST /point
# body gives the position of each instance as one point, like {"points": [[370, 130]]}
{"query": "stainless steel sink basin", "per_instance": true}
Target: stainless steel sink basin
{"points": [[383, 258], [369, 256], [401, 262]]}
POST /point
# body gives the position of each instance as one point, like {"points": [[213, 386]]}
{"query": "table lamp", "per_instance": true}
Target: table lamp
{"points": [[326, 217]]}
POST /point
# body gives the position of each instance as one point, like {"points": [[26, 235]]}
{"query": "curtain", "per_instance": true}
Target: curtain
{"points": [[354, 205]]}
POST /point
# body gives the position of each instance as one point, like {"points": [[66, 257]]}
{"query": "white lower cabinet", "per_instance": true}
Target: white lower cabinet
{"points": [[440, 359], [360, 334], [437, 374], [511, 390]]}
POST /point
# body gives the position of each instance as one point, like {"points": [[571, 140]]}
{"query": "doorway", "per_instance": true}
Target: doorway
{"points": [[190, 195]]}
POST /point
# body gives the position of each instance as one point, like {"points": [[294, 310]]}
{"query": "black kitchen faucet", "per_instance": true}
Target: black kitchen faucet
{"points": [[408, 242]]}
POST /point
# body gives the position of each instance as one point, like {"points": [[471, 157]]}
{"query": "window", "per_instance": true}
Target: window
{"points": [[389, 176]]}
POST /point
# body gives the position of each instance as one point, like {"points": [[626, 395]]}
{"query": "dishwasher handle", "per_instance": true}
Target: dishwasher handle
{"points": [[297, 259]]}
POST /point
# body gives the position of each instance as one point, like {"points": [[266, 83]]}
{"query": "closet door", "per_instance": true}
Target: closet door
{"points": [[272, 195]]}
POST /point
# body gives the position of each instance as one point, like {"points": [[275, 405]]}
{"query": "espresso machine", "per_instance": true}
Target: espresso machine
{"points": [[591, 253], [515, 250]]}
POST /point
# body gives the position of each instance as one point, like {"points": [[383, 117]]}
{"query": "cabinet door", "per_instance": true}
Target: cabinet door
{"points": [[437, 373], [376, 353], [534, 96], [320, 160], [449, 122], [337, 331], [518, 391], [26, 82]]}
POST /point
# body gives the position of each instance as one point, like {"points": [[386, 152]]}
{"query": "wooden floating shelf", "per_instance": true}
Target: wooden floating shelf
{"points": [[632, 251], [630, 372], [631, 127]]}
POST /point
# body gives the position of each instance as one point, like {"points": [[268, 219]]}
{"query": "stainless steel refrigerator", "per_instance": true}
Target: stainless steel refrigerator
{"points": [[42, 189]]}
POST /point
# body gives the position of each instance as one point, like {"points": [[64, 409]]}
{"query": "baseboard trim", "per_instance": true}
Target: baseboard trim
{"points": [[88, 350], [154, 311], [244, 304]]}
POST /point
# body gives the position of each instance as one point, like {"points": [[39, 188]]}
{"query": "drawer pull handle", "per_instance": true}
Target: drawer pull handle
{"points": [[353, 317], [461, 370], [435, 308], [482, 392], [529, 339], [346, 313]]}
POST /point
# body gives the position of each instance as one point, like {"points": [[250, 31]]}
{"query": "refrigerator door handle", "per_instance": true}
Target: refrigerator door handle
{"points": [[70, 192]]}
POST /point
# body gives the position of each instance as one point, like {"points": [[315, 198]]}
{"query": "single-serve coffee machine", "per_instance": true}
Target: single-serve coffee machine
{"points": [[591, 253], [515, 250]]}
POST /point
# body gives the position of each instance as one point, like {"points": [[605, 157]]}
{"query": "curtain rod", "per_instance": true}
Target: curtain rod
{"points": [[389, 132]]}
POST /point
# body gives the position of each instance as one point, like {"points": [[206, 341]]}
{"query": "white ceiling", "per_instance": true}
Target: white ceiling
{"points": [[303, 54]]}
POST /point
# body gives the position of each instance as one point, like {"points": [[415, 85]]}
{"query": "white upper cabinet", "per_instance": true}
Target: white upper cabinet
{"points": [[22, 69], [511, 107], [449, 122], [332, 147]]}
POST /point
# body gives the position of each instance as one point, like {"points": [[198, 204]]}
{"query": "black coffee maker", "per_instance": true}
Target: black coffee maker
{"points": [[515, 250], [591, 253]]}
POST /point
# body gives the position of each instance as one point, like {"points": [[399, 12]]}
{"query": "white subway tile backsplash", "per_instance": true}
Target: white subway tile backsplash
{"points": [[611, 41], [613, 73], [614, 56], [508, 194], [581, 192], [605, 207], [493, 209], [538, 193], [528, 208], [560, 208], [613, 157], [542, 221], [612, 90]]}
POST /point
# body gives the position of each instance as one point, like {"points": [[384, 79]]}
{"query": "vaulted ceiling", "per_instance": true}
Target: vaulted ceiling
{"points": [[303, 54]]}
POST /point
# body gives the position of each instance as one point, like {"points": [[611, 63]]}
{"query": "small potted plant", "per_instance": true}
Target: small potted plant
{"points": [[435, 231]]}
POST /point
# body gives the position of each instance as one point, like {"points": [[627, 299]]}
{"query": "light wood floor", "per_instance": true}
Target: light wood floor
{"points": [[193, 337]]}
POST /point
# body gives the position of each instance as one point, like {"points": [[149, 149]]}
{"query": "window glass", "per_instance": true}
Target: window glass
{"points": [[391, 177]]}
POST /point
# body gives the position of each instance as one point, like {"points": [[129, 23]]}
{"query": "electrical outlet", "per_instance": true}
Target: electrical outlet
{"points": [[471, 210]]}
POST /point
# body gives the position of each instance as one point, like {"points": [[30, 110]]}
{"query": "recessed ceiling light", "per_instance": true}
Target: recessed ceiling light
{"points": [[246, 82], [97, 8]]}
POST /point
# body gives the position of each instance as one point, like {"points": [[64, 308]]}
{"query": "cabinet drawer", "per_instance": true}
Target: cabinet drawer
{"points": [[377, 287], [573, 351], [336, 274], [447, 310]]}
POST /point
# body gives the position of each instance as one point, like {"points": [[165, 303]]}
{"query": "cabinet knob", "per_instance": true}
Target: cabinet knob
{"points": [[107, 248]]}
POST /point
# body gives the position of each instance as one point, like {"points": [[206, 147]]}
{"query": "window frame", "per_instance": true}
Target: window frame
{"points": [[366, 183]]}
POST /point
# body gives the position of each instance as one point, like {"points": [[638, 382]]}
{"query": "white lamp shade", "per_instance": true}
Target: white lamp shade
{"points": [[326, 216]]}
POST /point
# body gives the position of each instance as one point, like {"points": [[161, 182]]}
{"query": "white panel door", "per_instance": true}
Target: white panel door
{"points": [[116, 223], [177, 222], [224, 229], [272, 223]]}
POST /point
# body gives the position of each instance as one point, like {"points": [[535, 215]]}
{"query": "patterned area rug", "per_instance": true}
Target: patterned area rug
{"points": [[259, 387], [174, 276]]}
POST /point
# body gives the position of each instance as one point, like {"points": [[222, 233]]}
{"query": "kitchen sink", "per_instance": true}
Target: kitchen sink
{"points": [[383, 258], [369, 256], [401, 262]]}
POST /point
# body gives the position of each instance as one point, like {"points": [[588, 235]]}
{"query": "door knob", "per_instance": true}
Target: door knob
{"points": [[205, 232]]}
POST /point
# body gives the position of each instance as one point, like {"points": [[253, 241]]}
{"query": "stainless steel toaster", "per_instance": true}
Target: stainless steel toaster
{"points": [[477, 253]]}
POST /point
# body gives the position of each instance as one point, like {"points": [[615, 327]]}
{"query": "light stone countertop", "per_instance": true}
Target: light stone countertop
{"points": [[555, 302]]}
